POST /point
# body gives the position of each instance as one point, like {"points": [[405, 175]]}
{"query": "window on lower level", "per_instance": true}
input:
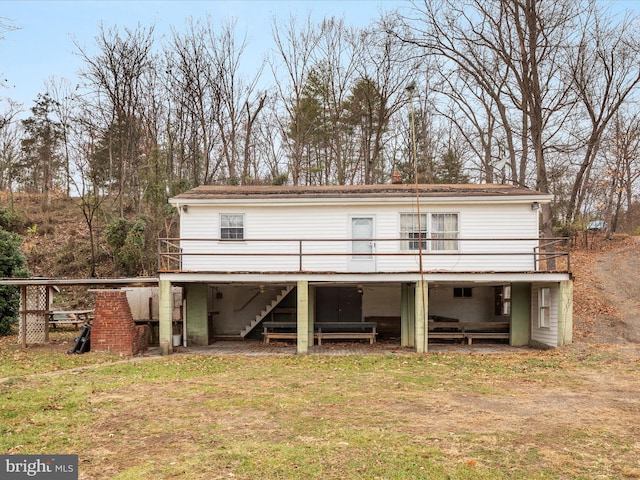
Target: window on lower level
{"points": [[503, 300], [231, 226], [544, 307], [462, 292]]}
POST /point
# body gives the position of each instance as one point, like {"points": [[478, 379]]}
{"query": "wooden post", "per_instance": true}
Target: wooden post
{"points": [[520, 314], [47, 304], [407, 315], [303, 317], [165, 314], [421, 309], [565, 313], [311, 314], [23, 316]]}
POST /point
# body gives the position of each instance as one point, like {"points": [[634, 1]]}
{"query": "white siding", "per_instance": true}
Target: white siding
{"points": [[144, 302], [381, 300], [288, 223], [478, 308], [546, 336]]}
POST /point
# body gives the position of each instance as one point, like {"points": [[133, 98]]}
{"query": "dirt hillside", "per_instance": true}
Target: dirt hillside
{"points": [[607, 292]]}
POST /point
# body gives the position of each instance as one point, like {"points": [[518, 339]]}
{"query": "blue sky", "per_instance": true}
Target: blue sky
{"points": [[43, 47]]}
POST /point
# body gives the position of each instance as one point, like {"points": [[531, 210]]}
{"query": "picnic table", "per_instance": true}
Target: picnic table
{"points": [[322, 331], [70, 317], [346, 331], [468, 330]]}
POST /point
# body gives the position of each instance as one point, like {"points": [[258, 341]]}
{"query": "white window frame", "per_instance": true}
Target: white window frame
{"points": [[544, 307], [433, 238], [505, 306], [439, 234], [224, 224], [409, 231]]}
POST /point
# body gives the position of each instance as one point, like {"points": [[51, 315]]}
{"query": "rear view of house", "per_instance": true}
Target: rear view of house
{"points": [[414, 263]]}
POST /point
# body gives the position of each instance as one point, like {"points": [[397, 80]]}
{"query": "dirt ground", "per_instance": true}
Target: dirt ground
{"points": [[607, 295]]}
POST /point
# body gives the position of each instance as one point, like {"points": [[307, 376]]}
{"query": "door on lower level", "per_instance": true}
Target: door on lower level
{"points": [[338, 304]]}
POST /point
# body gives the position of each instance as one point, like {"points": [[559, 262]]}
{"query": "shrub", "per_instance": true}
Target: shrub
{"points": [[9, 219], [126, 240], [12, 265]]}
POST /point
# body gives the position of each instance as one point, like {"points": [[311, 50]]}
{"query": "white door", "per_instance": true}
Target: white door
{"points": [[362, 257]]}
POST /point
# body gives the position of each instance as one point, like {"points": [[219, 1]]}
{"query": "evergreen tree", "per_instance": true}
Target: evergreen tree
{"points": [[312, 128], [41, 146], [366, 115], [450, 169]]}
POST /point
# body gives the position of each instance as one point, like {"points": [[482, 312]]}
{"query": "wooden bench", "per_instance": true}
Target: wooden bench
{"points": [[322, 331], [469, 330], [386, 326], [447, 330], [486, 330], [345, 331], [279, 331]]}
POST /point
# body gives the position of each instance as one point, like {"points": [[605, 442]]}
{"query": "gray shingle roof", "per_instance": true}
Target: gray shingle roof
{"points": [[356, 191]]}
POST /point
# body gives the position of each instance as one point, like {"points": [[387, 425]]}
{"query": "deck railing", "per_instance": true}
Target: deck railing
{"points": [[340, 255]]}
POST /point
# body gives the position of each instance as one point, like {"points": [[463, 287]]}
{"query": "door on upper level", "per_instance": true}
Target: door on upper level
{"points": [[362, 258]]}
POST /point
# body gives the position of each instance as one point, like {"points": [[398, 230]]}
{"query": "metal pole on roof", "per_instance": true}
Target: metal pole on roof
{"points": [[424, 338], [410, 88]]}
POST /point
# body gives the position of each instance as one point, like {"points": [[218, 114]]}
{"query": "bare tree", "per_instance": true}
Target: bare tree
{"points": [[295, 45], [621, 148], [115, 77], [214, 105], [238, 100], [63, 94], [270, 153], [390, 67], [473, 114], [514, 51], [9, 153], [605, 73], [6, 25], [190, 77]]}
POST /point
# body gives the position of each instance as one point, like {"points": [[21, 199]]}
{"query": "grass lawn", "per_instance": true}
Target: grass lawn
{"points": [[571, 413]]}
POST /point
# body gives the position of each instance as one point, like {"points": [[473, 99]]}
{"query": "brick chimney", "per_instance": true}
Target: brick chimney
{"points": [[113, 328]]}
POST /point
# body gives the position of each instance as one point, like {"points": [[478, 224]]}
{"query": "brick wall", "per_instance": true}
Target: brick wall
{"points": [[113, 328]]}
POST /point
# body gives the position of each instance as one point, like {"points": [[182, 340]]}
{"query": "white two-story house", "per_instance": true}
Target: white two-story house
{"points": [[400, 255]]}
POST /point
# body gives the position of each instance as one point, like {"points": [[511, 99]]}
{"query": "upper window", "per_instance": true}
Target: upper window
{"points": [[444, 226], [411, 231], [231, 226], [442, 231]]}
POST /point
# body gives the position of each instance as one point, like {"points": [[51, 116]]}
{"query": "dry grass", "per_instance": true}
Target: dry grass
{"points": [[570, 413]]}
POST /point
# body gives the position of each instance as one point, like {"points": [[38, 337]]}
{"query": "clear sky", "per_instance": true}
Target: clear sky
{"points": [[43, 46]]}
